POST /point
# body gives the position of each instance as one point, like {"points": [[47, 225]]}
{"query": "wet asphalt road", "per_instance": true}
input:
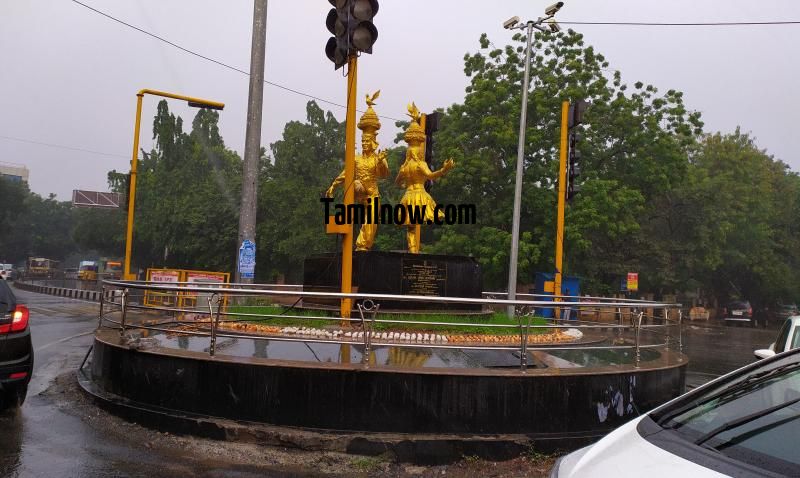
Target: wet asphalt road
{"points": [[42, 439]]}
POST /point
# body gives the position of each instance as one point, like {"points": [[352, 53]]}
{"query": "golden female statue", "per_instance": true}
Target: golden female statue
{"points": [[371, 166], [412, 176]]}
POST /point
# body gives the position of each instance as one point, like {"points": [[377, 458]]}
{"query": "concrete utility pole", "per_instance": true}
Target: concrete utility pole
{"points": [[252, 142]]}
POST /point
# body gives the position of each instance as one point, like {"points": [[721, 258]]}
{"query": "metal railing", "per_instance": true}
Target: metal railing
{"points": [[631, 318]]}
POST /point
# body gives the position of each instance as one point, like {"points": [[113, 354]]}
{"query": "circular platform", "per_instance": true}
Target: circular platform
{"points": [[565, 398]]}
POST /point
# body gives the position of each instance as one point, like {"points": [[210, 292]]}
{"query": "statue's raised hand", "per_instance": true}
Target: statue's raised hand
{"points": [[448, 165]]}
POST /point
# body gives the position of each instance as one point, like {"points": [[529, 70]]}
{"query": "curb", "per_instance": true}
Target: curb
{"points": [[90, 295], [422, 449]]}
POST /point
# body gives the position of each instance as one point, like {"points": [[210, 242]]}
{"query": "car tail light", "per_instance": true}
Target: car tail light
{"points": [[750, 311], [19, 320]]}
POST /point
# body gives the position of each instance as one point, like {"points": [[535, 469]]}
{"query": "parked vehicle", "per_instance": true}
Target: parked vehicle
{"points": [[742, 424], [788, 339], [71, 273], [739, 312], [16, 351], [41, 268], [104, 268], [785, 311], [87, 270], [7, 272]]}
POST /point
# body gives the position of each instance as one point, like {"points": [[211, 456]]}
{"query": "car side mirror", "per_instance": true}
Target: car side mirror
{"points": [[763, 353]]}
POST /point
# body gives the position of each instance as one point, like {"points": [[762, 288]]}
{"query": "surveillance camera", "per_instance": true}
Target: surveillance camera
{"points": [[553, 9], [509, 24], [554, 27]]}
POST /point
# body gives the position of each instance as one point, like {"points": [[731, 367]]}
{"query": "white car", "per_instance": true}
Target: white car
{"points": [[788, 339], [6, 271], [745, 423]]}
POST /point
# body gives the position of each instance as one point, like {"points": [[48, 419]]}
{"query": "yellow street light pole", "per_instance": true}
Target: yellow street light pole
{"points": [[349, 191], [562, 190], [194, 102]]}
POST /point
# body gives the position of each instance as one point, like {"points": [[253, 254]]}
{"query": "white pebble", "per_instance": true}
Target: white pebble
{"points": [[444, 339]]}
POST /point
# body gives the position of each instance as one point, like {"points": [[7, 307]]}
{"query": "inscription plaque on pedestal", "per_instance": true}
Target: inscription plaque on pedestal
{"points": [[398, 273], [421, 277]]}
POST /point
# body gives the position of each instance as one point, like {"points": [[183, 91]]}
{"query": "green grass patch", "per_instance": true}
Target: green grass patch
{"points": [[478, 324]]}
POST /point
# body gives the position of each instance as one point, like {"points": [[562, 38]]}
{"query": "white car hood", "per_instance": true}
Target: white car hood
{"points": [[624, 453]]}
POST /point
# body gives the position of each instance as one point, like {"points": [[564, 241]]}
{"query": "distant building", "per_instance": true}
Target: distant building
{"points": [[14, 172]]}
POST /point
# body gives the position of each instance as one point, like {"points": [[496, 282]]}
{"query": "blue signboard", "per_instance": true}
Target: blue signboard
{"points": [[247, 259]]}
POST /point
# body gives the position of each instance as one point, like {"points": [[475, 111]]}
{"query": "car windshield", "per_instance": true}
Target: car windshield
{"points": [[753, 418], [780, 342], [739, 305], [796, 338]]}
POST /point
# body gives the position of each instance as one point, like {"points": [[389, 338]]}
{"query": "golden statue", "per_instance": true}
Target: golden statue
{"points": [[371, 165], [412, 176]]}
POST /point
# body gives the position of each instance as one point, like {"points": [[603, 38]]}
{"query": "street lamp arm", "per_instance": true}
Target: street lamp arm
{"points": [[190, 99]]}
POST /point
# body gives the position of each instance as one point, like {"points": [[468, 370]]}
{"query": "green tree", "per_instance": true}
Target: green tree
{"points": [[290, 215], [635, 148], [13, 208]]}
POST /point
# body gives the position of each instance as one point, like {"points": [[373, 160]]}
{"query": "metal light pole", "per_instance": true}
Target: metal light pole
{"points": [[252, 141], [512, 24], [194, 102]]}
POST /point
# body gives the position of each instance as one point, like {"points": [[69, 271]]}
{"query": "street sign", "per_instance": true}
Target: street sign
{"points": [[247, 259], [633, 281], [97, 199]]}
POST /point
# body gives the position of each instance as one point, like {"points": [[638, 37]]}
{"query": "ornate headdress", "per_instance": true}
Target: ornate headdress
{"points": [[415, 133], [369, 122]]}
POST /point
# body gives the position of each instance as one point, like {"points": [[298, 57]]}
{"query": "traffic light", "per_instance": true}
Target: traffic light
{"points": [[574, 165], [576, 111], [431, 126], [350, 22]]}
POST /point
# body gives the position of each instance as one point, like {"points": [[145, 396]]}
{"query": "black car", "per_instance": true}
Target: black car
{"points": [[16, 351], [739, 312]]}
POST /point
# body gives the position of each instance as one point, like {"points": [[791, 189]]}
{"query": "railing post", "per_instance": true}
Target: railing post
{"points": [[638, 327], [668, 340], [523, 338], [102, 303], [124, 302], [367, 326], [680, 333], [214, 323]]}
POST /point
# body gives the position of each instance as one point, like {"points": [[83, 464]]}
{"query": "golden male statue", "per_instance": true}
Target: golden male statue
{"points": [[371, 166], [414, 173]]}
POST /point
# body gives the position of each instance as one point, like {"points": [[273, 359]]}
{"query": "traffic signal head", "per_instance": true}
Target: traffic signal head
{"points": [[574, 165], [576, 110], [350, 22]]}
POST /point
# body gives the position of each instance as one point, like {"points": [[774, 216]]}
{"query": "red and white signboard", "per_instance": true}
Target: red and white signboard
{"points": [[164, 275], [205, 277]]}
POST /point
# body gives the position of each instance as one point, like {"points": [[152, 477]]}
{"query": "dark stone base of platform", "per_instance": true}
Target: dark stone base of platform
{"points": [[398, 273], [560, 406]]}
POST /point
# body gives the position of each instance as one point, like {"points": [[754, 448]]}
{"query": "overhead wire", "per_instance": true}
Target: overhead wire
{"points": [[215, 61], [61, 146]]}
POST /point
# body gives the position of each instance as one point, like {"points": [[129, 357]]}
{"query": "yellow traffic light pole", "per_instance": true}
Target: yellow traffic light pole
{"points": [[198, 102], [349, 178], [562, 186]]}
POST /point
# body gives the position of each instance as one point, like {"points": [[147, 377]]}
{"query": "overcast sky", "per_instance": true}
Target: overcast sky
{"points": [[68, 76]]}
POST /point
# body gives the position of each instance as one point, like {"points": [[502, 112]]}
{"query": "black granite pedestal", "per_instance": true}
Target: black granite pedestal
{"points": [[399, 273]]}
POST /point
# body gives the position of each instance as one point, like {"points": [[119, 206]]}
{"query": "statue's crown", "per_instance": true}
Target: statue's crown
{"points": [[369, 122], [415, 133]]}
